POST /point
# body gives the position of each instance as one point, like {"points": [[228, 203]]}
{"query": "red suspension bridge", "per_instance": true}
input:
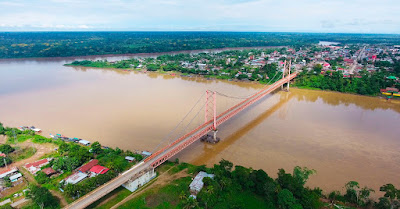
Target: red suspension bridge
{"points": [[210, 125]]}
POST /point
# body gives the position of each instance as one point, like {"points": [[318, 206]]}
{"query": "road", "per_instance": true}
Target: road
{"points": [[355, 63], [167, 152]]}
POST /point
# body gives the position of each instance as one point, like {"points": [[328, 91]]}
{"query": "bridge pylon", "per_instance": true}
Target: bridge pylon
{"points": [[210, 113], [286, 70]]}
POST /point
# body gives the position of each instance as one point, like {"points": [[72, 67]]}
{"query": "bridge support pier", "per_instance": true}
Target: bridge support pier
{"points": [[211, 137]]}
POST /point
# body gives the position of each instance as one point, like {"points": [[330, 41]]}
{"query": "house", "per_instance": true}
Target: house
{"points": [[129, 158], [35, 167], [197, 183], [8, 172], [84, 142], [85, 168], [15, 177], [49, 171], [146, 153], [98, 169], [202, 66], [75, 178]]}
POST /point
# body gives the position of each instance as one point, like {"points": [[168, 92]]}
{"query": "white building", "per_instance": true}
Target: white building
{"points": [[75, 178], [84, 142], [15, 177], [197, 183], [133, 185]]}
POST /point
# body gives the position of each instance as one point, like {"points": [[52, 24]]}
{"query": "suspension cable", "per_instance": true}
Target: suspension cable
{"points": [[245, 97], [173, 130]]}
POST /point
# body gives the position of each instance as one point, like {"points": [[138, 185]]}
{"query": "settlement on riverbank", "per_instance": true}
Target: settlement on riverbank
{"points": [[349, 68]]}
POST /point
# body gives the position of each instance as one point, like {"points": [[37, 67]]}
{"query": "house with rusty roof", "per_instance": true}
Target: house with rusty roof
{"points": [[36, 166], [85, 168]]}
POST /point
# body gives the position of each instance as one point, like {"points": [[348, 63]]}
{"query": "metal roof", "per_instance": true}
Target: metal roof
{"points": [[197, 183], [75, 178]]}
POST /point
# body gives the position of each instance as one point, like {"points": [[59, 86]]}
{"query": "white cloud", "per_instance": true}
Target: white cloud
{"points": [[226, 15]]}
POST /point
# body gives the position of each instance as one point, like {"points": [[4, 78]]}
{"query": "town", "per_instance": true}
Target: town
{"points": [[379, 64]]}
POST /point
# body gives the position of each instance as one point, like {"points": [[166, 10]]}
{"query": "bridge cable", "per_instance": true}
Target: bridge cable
{"points": [[245, 97], [169, 134], [183, 131]]}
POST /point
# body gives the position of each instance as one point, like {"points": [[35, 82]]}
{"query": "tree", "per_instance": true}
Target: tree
{"points": [[4, 160], [41, 177], [2, 129], [317, 68], [7, 182], [42, 197], [391, 196], [6, 148], [96, 147], [286, 200], [302, 174], [351, 191], [189, 203]]}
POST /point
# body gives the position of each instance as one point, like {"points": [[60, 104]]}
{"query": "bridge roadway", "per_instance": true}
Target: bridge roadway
{"points": [[170, 150]]}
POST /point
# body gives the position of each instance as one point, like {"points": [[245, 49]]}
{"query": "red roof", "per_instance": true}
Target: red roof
{"points": [[348, 60], [37, 163], [88, 165], [48, 171], [99, 169], [8, 170]]}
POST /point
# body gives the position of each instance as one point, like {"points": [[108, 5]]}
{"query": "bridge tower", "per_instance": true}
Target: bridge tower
{"points": [[210, 113], [286, 70]]}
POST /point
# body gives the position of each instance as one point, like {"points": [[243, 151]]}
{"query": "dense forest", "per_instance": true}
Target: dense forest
{"points": [[241, 187], [62, 44]]}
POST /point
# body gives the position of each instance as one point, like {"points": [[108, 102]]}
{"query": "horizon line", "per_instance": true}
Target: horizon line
{"points": [[198, 31]]}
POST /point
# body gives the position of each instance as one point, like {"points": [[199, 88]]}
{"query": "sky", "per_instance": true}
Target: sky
{"points": [[325, 16]]}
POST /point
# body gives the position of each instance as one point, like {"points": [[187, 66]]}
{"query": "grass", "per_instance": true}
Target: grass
{"points": [[182, 166], [41, 139], [21, 154], [165, 197], [53, 183], [20, 138], [103, 203]]}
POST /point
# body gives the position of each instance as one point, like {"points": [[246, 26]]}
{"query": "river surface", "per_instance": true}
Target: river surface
{"points": [[343, 137]]}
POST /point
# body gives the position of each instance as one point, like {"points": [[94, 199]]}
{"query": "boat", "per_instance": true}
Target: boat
{"points": [[32, 128], [37, 130]]}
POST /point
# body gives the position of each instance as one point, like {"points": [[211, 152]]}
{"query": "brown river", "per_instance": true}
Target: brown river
{"points": [[343, 137]]}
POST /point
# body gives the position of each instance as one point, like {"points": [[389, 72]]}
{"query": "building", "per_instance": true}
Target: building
{"points": [[197, 183], [8, 172], [98, 169], [84, 142], [129, 158], [49, 171], [146, 153], [75, 178], [85, 168], [15, 177], [35, 167], [133, 184]]}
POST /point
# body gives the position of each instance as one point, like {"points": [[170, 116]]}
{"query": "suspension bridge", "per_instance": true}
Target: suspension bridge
{"points": [[207, 131]]}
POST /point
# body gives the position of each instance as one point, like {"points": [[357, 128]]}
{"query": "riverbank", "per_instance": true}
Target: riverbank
{"points": [[133, 55], [61, 160], [214, 77]]}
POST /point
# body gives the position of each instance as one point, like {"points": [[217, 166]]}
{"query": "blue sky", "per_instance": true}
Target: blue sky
{"points": [[337, 16]]}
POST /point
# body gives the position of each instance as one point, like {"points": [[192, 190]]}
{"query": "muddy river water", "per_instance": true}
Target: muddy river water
{"points": [[343, 137]]}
